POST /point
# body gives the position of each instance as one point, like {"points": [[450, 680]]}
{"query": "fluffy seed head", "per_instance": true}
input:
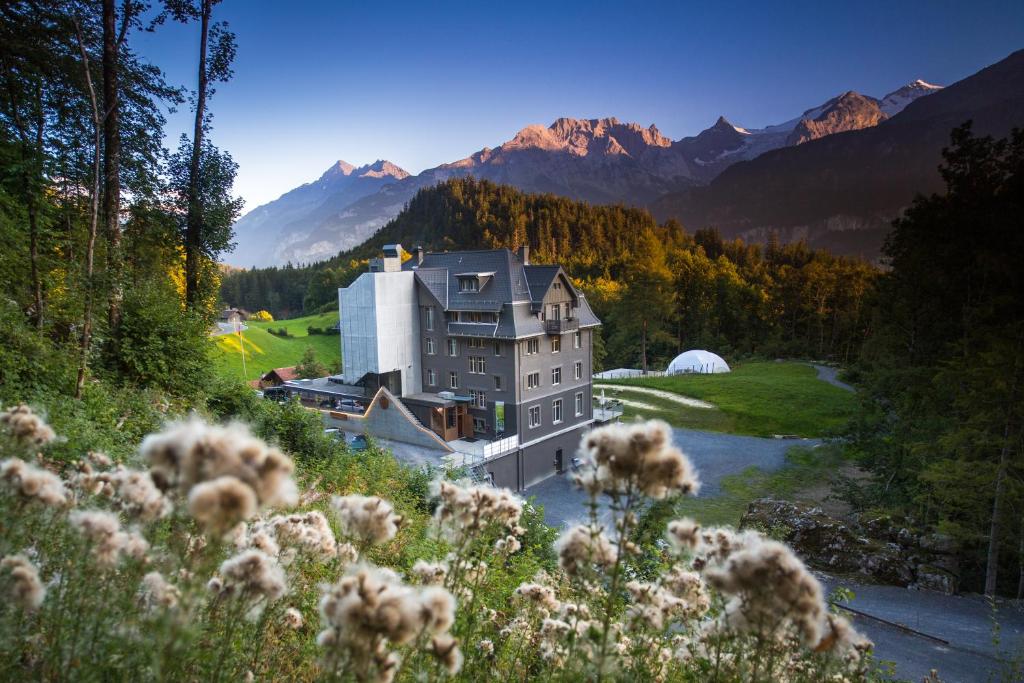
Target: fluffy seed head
{"points": [[638, 455], [221, 503], [26, 426], [369, 519], [26, 590], [156, 592], [103, 531], [188, 453], [253, 574], [581, 546], [293, 619], [769, 588], [33, 483]]}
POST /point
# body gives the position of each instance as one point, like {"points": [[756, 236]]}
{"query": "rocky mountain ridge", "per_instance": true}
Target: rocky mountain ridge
{"points": [[597, 160]]}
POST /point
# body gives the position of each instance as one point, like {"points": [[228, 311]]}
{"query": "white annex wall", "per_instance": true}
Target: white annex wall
{"points": [[380, 328]]}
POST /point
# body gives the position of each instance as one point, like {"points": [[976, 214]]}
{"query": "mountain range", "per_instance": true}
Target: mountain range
{"points": [[803, 178]]}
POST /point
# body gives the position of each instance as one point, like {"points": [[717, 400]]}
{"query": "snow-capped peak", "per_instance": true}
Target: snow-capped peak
{"points": [[896, 101]]}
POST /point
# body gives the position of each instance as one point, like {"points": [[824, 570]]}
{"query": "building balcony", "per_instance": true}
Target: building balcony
{"points": [[562, 325]]}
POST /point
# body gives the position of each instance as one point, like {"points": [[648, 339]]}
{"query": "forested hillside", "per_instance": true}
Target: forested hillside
{"points": [[687, 289]]}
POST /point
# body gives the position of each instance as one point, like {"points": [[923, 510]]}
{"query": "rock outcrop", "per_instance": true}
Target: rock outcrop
{"points": [[878, 548]]}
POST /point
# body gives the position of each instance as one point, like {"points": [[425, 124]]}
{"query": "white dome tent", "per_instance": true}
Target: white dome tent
{"points": [[697, 361]]}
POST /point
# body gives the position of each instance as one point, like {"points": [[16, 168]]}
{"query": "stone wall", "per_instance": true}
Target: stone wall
{"points": [[877, 547]]}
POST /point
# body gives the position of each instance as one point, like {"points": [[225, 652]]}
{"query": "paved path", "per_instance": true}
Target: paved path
{"points": [[831, 375], [713, 454], [225, 328], [965, 622]]}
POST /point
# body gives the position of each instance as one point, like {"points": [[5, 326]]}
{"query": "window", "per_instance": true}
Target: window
{"points": [[577, 370], [475, 343], [432, 377], [532, 346], [556, 311], [430, 317], [533, 380], [556, 376], [577, 340], [579, 403], [468, 284], [453, 347], [431, 348], [477, 399], [556, 344], [453, 379], [497, 382], [479, 425], [497, 348], [478, 365], [534, 419], [556, 410]]}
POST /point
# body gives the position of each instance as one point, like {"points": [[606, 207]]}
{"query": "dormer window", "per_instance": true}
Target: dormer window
{"points": [[471, 283]]}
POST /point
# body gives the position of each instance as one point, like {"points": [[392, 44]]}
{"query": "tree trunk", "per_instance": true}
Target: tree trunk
{"points": [[1020, 563], [194, 218], [112, 162], [995, 525], [86, 340], [643, 347], [27, 154]]}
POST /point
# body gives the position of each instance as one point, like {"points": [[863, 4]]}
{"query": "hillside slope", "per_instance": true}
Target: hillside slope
{"points": [[842, 191]]}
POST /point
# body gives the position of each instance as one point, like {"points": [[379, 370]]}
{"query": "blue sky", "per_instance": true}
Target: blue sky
{"points": [[422, 83]]}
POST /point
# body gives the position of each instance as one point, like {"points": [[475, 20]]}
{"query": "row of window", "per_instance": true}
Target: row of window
{"points": [[487, 317], [531, 346], [453, 379], [533, 413], [533, 379], [452, 346]]}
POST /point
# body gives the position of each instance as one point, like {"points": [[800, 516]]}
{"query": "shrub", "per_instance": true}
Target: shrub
{"points": [[262, 316]]}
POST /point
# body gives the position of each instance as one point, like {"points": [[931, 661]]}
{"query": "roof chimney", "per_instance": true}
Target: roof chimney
{"points": [[418, 253], [524, 254]]}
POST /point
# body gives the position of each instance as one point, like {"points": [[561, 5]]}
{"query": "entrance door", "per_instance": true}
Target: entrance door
{"points": [[559, 465]]}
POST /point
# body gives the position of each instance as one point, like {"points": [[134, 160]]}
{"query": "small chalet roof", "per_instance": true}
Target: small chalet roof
{"points": [[283, 374]]}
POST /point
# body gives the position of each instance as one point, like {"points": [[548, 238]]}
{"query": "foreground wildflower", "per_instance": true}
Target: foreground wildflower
{"points": [[369, 519], [370, 608], [27, 427], [583, 546], [636, 457], [188, 454], [307, 532], [134, 493], [769, 588], [221, 503], [103, 532], [466, 511], [33, 483], [26, 591], [252, 575], [156, 592]]}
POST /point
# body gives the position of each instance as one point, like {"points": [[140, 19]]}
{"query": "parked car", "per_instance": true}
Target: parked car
{"points": [[359, 443]]}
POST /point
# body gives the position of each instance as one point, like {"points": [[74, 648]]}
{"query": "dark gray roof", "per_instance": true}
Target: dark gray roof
{"points": [[514, 290], [539, 279], [508, 283]]}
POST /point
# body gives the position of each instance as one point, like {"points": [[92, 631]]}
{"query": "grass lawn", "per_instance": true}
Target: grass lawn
{"points": [[264, 351], [807, 471], [758, 399]]}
